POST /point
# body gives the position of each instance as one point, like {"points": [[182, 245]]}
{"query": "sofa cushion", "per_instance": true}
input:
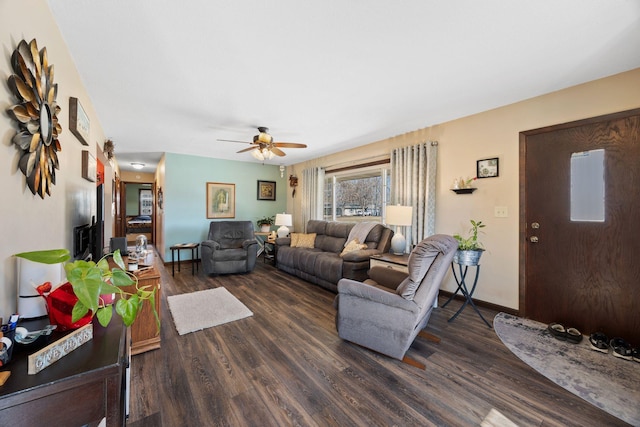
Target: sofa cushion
{"points": [[352, 246], [328, 267], [374, 236], [301, 240], [316, 226], [335, 237]]}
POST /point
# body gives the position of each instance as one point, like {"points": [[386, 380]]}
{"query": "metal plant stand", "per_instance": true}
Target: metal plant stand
{"points": [[462, 287]]}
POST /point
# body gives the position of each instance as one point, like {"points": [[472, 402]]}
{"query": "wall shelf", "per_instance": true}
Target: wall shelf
{"points": [[463, 190]]}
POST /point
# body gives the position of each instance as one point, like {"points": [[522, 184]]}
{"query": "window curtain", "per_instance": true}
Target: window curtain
{"points": [[413, 183], [312, 194]]}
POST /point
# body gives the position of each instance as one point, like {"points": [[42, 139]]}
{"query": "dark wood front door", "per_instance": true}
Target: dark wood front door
{"points": [[582, 271]]}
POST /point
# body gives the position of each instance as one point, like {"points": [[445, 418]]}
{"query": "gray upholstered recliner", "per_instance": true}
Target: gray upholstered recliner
{"points": [[387, 312], [230, 248]]}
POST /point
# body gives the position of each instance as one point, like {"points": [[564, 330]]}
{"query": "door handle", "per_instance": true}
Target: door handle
{"points": [[533, 239]]}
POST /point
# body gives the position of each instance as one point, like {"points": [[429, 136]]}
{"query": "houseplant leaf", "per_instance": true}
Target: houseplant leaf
{"points": [[128, 309], [78, 312], [104, 315], [51, 256], [121, 278]]}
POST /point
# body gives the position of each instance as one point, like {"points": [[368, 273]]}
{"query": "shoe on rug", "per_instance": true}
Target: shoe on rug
{"points": [[635, 354], [574, 335], [558, 331], [599, 342], [621, 348]]}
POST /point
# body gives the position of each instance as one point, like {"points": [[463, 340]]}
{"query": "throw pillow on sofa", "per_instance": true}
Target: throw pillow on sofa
{"points": [[301, 240], [352, 246]]}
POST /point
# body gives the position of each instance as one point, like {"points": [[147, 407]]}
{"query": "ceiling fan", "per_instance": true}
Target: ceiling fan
{"points": [[263, 147]]}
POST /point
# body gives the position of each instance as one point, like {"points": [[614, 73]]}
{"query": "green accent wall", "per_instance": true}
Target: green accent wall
{"points": [[133, 199], [185, 189]]}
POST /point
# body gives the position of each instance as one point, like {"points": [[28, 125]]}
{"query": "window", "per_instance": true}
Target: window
{"points": [[356, 194]]}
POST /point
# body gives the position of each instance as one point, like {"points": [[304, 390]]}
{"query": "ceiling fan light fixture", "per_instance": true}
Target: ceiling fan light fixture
{"points": [[258, 154], [262, 154]]}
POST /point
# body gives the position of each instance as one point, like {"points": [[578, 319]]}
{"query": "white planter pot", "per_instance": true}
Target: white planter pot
{"points": [[265, 228]]}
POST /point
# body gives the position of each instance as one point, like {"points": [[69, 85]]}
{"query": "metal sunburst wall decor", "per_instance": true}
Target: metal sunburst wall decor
{"points": [[36, 115]]}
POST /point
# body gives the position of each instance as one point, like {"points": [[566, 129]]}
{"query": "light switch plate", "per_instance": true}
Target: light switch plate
{"points": [[501, 212]]}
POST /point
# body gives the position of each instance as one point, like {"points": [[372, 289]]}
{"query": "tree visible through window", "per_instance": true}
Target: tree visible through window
{"points": [[356, 196]]}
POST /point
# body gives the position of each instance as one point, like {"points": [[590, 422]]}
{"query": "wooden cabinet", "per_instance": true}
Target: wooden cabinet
{"points": [[145, 334], [86, 386]]}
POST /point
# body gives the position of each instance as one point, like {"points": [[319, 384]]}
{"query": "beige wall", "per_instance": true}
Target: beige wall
{"points": [[28, 222], [493, 133]]}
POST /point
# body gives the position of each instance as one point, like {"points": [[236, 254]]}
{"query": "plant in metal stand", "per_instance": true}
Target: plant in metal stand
{"points": [[469, 248]]}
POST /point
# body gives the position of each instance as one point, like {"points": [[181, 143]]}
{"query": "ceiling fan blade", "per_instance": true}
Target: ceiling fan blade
{"points": [[253, 147], [289, 145], [277, 151], [233, 140]]}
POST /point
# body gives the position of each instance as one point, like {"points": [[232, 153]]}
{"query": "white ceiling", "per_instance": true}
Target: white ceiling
{"points": [[175, 76]]}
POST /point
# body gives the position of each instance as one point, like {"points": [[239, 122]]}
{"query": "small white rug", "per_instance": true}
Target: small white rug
{"points": [[199, 310]]}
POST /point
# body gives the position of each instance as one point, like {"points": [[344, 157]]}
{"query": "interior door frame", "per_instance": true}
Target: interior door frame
{"points": [[523, 233], [123, 207]]}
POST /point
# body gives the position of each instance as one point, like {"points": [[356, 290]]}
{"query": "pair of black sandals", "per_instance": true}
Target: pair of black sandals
{"points": [[559, 331], [620, 348]]}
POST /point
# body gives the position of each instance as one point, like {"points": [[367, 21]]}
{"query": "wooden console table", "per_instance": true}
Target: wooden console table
{"points": [[145, 335], [83, 388]]}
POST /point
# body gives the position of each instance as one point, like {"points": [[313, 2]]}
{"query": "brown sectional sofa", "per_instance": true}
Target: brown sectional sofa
{"points": [[322, 264]]}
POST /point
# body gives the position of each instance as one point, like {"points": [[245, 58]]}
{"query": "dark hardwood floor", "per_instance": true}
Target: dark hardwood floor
{"points": [[286, 365]]}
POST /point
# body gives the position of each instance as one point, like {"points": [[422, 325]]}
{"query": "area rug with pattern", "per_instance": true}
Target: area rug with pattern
{"points": [[204, 309], [608, 382]]}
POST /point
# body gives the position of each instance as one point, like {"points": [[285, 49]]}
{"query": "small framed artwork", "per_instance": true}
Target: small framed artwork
{"points": [[266, 190], [79, 121], [145, 198], [160, 197], [89, 166], [221, 200], [488, 168]]}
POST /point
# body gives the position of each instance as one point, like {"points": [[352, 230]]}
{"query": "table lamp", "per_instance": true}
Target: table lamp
{"points": [[399, 215], [284, 221]]}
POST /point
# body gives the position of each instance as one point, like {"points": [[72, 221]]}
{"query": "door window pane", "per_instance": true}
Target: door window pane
{"points": [[587, 186]]}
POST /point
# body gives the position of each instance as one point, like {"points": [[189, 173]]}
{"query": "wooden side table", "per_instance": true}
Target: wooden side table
{"points": [[394, 262]]}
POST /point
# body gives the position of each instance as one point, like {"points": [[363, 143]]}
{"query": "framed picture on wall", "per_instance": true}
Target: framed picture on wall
{"points": [[266, 190], [145, 198], [488, 168], [79, 121], [89, 166], [221, 200]]}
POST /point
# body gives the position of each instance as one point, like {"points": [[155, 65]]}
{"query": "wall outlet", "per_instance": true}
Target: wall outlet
{"points": [[500, 212]]}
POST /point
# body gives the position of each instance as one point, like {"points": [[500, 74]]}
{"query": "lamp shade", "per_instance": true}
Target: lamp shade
{"points": [[284, 221], [399, 215]]}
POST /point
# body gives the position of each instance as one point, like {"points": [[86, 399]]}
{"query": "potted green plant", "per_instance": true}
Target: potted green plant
{"points": [[94, 283], [469, 248], [265, 223]]}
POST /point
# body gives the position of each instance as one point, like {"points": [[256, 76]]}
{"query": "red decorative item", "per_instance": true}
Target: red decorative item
{"points": [[60, 304]]}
